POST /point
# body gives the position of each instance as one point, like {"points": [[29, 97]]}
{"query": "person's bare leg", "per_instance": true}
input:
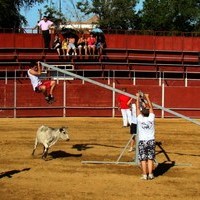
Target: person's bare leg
{"points": [[44, 91], [132, 143], [93, 50], [58, 50], [80, 50], [89, 50], [144, 167], [150, 166], [53, 84], [150, 169], [86, 52]]}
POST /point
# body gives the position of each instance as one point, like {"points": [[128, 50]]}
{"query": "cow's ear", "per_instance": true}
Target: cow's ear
{"points": [[62, 129]]}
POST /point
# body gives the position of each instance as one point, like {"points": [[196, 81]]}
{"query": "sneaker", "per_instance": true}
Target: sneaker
{"points": [[47, 98], [131, 149], [151, 176], [143, 177], [67, 54], [52, 99]]}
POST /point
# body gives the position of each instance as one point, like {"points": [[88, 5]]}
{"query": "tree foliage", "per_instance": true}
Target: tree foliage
{"points": [[115, 14], [54, 15], [171, 15], [156, 15], [10, 16]]}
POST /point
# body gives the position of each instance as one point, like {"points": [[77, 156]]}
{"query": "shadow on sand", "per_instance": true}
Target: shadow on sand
{"points": [[164, 166], [9, 174], [62, 154], [83, 147]]}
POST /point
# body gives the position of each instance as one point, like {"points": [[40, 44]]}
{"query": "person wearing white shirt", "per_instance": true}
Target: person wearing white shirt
{"points": [[45, 25], [43, 86], [146, 137], [133, 125]]}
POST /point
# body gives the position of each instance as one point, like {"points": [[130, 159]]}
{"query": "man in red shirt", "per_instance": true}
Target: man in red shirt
{"points": [[124, 106]]}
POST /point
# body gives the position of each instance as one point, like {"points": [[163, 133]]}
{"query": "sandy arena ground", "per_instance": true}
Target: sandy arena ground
{"points": [[64, 176]]}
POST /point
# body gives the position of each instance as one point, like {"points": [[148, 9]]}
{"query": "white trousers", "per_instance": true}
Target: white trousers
{"points": [[126, 117]]}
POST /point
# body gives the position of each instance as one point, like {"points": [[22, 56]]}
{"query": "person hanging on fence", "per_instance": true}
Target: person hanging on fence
{"points": [[46, 87], [146, 136]]}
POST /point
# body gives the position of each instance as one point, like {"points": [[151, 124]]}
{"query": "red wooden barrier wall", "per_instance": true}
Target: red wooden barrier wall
{"points": [[90, 100], [10, 40]]}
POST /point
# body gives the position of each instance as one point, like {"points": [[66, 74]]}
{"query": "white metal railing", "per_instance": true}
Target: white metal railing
{"points": [[110, 77]]}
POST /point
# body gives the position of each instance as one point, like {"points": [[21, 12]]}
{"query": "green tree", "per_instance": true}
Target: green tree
{"points": [[113, 14], [171, 15], [54, 15], [10, 16]]}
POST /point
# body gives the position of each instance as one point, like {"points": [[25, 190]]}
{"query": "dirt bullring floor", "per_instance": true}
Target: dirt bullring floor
{"points": [[64, 176]]}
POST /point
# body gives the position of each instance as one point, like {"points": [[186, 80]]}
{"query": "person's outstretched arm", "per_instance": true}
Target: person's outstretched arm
{"points": [[137, 105], [129, 101], [149, 103]]}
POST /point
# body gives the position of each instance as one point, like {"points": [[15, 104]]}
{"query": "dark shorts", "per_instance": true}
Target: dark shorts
{"points": [[146, 150], [133, 129]]}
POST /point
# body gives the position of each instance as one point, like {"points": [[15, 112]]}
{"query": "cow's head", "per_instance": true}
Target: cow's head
{"points": [[64, 133]]}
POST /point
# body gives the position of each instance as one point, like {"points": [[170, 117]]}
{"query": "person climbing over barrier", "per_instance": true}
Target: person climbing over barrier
{"points": [[43, 86]]}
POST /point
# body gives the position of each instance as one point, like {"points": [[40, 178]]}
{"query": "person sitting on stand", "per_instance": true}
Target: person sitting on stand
{"points": [[57, 44], [91, 41], [82, 44], [64, 46], [100, 43], [71, 46]]}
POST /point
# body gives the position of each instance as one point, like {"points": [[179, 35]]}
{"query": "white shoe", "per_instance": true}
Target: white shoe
{"points": [[144, 177], [67, 54], [151, 176]]}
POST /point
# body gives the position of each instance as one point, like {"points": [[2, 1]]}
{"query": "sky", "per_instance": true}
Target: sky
{"points": [[32, 14]]}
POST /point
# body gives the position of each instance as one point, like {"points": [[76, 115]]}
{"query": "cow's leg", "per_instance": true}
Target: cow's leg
{"points": [[35, 146], [45, 152]]}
